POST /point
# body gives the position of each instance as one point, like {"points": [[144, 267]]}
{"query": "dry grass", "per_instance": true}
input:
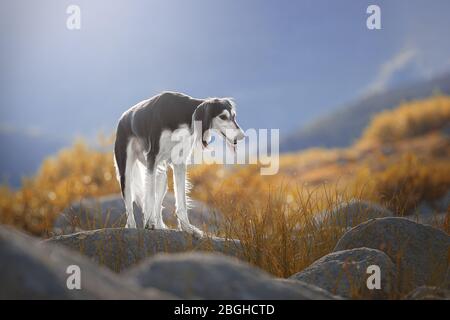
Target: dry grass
{"points": [[404, 185], [409, 120], [278, 233], [74, 173]]}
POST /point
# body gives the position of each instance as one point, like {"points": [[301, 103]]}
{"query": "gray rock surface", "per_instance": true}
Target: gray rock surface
{"points": [[120, 248], [351, 213], [109, 212], [434, 212], [215, 276], [419, 251], [429, 293], [427, 215], [443, 204], [32, 270], [345, 273]]}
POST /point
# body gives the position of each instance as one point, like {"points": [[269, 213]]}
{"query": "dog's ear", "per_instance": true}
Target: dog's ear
{"points": [[204, 114]]}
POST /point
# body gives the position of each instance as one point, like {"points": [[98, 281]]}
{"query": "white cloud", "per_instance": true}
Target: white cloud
{"points": [[389, 69]]}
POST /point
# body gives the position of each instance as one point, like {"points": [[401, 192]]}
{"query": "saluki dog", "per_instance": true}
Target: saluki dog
{"points": [[145, 147]]}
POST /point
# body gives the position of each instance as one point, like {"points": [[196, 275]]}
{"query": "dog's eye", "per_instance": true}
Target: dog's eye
{"points": [[223, 117]]}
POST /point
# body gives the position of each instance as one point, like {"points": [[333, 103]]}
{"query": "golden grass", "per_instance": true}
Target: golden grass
{"points": [[74, 173], [402, 186], [278, 233], [409, 120]]}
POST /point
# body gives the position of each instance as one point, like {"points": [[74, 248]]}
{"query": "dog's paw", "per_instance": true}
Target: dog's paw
{"points": [[149, 226], [160, 226], [197, 233], [155, 226], [193, 230]]}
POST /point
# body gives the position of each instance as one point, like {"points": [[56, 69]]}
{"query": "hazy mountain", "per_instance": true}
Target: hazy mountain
{"points": [[342, 127]]}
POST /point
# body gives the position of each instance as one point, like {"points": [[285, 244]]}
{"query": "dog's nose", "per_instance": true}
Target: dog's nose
{"points": [[240, 135]]}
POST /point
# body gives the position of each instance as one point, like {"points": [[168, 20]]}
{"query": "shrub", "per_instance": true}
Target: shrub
{"points": [[403, 185], [409, 120], [72, 174]]}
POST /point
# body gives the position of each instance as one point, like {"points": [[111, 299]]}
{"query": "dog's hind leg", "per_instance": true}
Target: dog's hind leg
{"points": [[128, 192], [137, 185], [161, 189]]}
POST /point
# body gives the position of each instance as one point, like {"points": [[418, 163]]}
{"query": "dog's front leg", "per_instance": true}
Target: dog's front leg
{"points": [[179, 175], [149, 200]]}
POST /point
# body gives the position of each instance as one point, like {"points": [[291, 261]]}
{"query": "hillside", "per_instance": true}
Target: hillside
{"points": [[343, 127]]}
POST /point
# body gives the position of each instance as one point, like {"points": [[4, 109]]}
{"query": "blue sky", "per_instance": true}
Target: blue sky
{"points": [[285, 62]]}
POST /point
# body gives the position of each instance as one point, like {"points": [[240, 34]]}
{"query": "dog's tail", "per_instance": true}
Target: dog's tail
{"points": [[120, 156]]}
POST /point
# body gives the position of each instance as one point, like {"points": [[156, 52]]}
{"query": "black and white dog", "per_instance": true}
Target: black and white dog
{"points": [[144, 149]]}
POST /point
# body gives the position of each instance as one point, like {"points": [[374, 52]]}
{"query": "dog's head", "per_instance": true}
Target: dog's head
{"points": [[219, 114]]}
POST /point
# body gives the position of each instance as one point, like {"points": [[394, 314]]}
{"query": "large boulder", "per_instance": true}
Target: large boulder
{"points": [[419, 251], [345, 273], [120, 248], [214, 276], [109, 212], [32, 270], [351, 213]]}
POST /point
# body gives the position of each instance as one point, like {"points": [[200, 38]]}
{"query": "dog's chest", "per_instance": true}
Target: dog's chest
{"points": [[175, 145]]}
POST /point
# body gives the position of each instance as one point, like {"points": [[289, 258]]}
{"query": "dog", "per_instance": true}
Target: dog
{"points": [[145, 145]]}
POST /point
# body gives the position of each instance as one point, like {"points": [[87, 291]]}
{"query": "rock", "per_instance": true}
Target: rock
{"points": [[214, 276], [344, 273], [32, 270], [432, 212], [430, 217], [120, 248], [429, 293], [445, 131], [446, 283], [109, 212], [424, 208], [387, 150], [443, 204], [419, 251], [351, 213], [91, 213]]}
